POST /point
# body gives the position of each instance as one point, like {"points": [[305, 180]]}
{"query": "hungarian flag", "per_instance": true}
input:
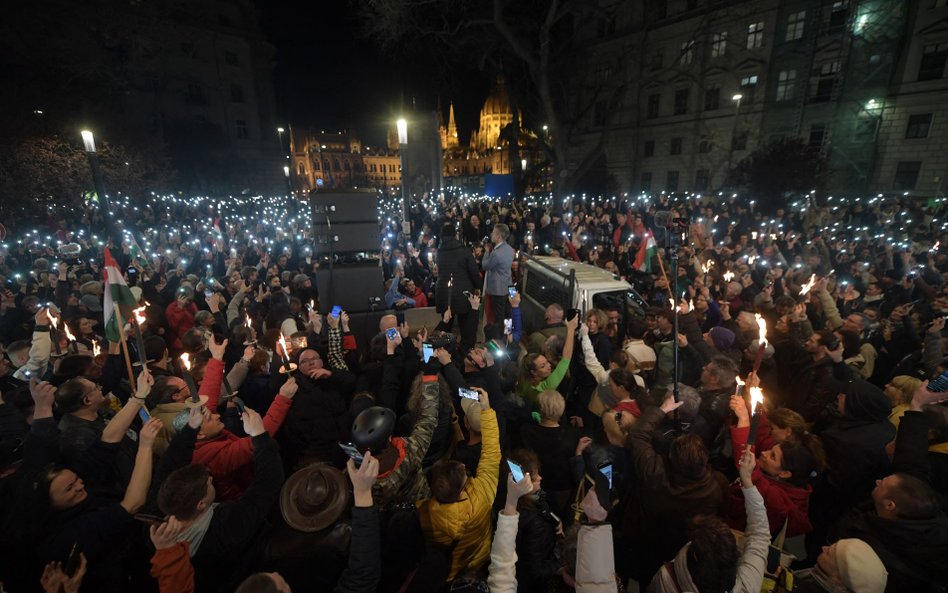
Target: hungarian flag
{"points": [[116, 293], [647, 250]]}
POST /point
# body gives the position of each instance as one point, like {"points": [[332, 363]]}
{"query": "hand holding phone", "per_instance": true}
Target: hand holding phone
{"points": [[516, 470], [392, 334], [336, 311], [469, 394], [427, 351], [352, 452], [512, 290]]}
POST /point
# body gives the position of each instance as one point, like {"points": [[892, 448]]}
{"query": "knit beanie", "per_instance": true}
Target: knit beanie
{"points": [[865, 401], [859, 567], [722, 337]]}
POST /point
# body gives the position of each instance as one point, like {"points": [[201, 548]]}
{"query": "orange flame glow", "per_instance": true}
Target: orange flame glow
{"points": [[68, 333], [809, 285], [95, 348], [186, 361], [757, 397], [761, 330]]}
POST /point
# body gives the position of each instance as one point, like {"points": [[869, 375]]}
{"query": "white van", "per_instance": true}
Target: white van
{"points": [[574, 285]]}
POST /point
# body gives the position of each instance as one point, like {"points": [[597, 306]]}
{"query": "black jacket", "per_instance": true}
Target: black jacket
{"points": [[536, 540], [455, 264], [319, 418]]}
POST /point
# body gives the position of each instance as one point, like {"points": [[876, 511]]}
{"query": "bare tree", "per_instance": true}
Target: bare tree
{"points": [[537, 41]]}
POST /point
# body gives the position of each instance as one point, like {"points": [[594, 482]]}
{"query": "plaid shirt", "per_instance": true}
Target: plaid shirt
{"points": [[604, 236]]}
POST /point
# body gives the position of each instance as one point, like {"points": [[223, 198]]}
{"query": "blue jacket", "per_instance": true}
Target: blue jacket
{"points": [[496, 265]]}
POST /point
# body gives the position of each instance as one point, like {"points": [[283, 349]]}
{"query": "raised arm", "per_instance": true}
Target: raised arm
{"points": [[115, 430], [137, 490]]}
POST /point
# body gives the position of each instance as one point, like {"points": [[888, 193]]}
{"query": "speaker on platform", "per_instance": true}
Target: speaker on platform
{"points": [[350, 286], [347, 237], [348, 206]]}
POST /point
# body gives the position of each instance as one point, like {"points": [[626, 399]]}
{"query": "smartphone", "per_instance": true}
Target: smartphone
{"points": [[144, 415], [512, 290], [426, 351], [469, 394], [149, 519], [241, 407], [73, 561], [132, 270], [400, 317], [208, 293], [352, 452], [391, 333], [516, 470], [939, 385], [571, 314], [335, 312], [606, 470], [508, 327]]}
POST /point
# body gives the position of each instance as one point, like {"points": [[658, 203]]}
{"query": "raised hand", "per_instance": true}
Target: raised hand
{"points": [[363, 477], [289, 388], [746, 467], [253, 423], [146, 436], [216, 349], [165, 535]]}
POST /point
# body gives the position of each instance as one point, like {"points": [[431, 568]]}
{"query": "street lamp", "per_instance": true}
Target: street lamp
{"points": [[737, 112], [88, 142], [737, 100], [402, 126]]}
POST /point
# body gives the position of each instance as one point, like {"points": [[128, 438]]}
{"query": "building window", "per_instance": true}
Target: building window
{"points": [[748, 86], [826, 83], [649, 148], [599, 113], [671, 182], [739, 141], [786, 80], [906, 174], [236, 93], [196, 94], [316, 166], [919, 125], [652, 107], [702, 179], [675, 147], [658, 59], [681, 101], [838, 16], [241, 125], [712, 99], [230, 58], [795, 25], [718, 44], [687, 52], [704, 146], [646, 183], [335, 165], [755, 35], [932, 66], [817, 135], [301, 169]]}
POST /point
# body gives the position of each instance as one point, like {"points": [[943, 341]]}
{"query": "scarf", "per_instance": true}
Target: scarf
{"points": [[674, 576], [194, 534]]}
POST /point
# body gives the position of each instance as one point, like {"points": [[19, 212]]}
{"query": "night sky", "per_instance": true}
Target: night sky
{"points": [[328, 76]]}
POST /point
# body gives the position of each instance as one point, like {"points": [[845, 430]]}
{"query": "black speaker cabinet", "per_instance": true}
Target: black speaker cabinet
{"points": [[347, 237], [349, 285], [349, 206]]}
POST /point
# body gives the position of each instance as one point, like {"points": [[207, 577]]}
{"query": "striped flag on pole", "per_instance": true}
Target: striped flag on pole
{"points": [[116, 292]]}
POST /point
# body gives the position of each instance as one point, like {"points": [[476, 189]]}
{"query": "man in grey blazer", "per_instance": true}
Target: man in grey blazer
{"points": [[496, 264]]}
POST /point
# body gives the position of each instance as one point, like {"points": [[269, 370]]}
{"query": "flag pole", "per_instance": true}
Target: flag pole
{"points": [[128, 359], [661, 266]]}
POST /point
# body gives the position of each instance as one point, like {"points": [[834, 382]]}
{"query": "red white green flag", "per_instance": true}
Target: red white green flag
{"points": [[647, 250], [116, 292]]}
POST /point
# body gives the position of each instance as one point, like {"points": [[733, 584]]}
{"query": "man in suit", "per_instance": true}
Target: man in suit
{"points": [[496, 264]]}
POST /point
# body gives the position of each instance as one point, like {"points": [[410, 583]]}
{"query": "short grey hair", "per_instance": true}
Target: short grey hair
{"points": [[502, 229]]}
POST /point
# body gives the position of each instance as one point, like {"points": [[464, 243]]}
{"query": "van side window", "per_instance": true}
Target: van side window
{"points": [[547, 289]]}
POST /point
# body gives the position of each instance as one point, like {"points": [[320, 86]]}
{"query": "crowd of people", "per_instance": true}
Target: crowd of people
{"points": [[226, 437]]}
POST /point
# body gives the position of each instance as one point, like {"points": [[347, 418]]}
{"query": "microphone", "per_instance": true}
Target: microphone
{"points": [[663, 218]]}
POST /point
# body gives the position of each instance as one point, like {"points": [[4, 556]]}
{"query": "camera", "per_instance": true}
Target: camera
{"points": [[443, 341]]}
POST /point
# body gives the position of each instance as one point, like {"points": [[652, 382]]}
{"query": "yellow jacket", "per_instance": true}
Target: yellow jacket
{"points": [[466, 524]]}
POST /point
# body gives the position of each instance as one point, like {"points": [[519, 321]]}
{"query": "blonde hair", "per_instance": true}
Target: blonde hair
{"points": [[906, 384], [551, 404], [602, 320]]}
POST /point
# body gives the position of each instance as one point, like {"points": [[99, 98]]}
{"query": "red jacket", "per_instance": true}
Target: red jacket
{"points": [[784, 501], [421, 300], [173, 570], [229, 457], [180, 320]]}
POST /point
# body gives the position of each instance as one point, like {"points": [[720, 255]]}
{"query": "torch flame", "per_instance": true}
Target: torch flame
{"points": [[68, 333], [248, 320], [52, 319], [761, 330], [728, 276], [139, 315], [671, 302], [186, 361], [691, 305], [757, 397], [286, 351], [312, 305], [706, 267], [739, 381], [95, 348], [809, 285]]}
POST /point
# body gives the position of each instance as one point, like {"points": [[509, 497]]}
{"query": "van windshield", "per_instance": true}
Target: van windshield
{"points": [[628, 302]]}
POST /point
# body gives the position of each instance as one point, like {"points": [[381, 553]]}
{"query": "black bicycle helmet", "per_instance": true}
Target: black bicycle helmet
{"points": [[372, 429]]}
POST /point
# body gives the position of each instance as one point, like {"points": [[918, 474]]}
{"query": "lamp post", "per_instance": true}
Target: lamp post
{"points": [[737, 112], [286, 168], [402, 126], [88, 142]]}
